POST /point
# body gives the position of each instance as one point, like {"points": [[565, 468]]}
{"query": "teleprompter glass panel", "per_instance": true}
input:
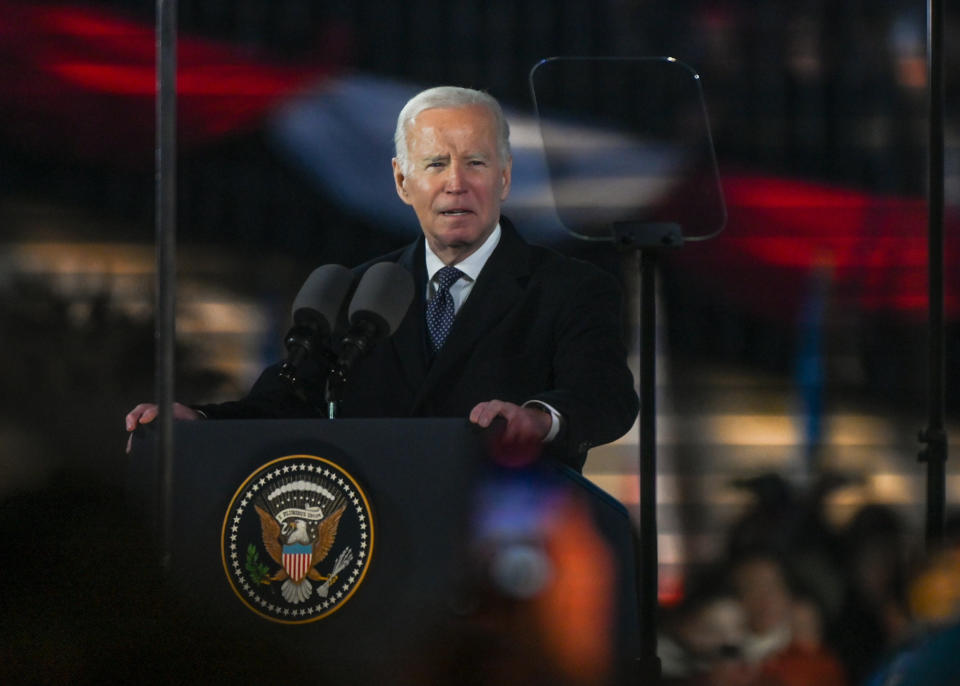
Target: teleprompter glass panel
{"points": [[627, 142]]}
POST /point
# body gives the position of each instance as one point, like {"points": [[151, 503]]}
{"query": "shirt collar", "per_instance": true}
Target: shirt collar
{"points": [[473, 264]]}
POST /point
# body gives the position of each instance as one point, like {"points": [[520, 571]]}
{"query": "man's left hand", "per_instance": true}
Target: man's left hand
{"points": [[524, 424]]}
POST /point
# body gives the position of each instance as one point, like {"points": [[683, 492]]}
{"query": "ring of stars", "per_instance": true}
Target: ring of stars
{"points": [[234, 550]]}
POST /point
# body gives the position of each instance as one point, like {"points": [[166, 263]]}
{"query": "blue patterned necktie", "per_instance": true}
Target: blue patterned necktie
{"points": [[440, 308]]}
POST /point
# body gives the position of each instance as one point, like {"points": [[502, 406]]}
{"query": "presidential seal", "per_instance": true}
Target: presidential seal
{"points": [[297, 539]]}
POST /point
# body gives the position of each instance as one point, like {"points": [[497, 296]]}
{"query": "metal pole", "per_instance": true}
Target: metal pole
{"points": [[650, 662], [166, 207], [935, 436]]}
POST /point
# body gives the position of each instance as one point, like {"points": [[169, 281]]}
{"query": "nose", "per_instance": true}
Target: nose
{"points": [[455, 179]]}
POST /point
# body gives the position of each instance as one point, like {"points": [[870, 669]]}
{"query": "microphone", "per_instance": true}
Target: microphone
{"points": [[316, 313], [378, 306]]}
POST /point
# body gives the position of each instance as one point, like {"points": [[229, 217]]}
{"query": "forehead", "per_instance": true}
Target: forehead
{"points": [[472, 126]]}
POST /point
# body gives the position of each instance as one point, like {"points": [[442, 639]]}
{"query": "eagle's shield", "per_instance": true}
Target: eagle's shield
{"points": [[296, 560]]}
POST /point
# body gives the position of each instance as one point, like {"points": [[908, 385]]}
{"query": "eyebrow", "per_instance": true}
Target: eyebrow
{"points": [[446, 157], [478, 155]]}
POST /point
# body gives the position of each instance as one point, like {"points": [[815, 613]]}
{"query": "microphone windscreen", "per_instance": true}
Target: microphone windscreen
{"points": [[321, 297], [385, 291]]}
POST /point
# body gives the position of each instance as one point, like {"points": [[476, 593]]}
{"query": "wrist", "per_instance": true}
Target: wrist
{"points": [[556, 419]]}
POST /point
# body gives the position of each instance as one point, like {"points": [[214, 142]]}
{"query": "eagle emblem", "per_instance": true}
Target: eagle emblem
{"points": [[299, 542], [309, 518]]}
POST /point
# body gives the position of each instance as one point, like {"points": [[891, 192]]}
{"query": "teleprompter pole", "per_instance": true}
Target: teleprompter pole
{"points": [[648, 239], [166, 207], [649, 552]]}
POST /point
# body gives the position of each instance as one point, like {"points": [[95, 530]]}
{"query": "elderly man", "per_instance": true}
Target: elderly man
{"points": [[497, 327]]}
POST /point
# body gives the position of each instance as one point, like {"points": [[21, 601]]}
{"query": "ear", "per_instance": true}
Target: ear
{"points": [[506, 175], [400, 180]]}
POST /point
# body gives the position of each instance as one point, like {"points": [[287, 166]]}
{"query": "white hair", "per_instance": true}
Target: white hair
{"points": [[449, 97]]}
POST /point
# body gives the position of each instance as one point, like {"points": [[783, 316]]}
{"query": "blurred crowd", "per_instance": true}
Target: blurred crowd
{"points": [[796, 601]]}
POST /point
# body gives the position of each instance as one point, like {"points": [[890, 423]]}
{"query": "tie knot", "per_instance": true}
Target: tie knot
{"points": [[446, 277]]}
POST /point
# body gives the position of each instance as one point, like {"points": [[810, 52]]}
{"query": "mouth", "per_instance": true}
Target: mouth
{"points": [[457, 212]]}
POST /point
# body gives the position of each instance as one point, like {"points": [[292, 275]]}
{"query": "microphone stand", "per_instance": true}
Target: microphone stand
{"points": [[333, 393], [649, 240], [359, 340]]}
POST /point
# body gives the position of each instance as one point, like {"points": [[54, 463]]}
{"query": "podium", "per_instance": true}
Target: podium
{"points": [[346, 544]]}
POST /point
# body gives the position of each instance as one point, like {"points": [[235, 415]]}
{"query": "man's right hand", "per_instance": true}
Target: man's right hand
{"points": [[144, 413]]}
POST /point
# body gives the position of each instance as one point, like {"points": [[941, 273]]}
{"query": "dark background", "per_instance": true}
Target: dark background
{"points": [[775, 366]]}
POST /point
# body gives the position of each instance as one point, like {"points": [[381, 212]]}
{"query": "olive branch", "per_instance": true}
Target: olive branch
{"points": [[258, 571]]}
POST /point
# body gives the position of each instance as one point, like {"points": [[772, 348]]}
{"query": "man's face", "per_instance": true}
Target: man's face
{"points": [[455, 181]]}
